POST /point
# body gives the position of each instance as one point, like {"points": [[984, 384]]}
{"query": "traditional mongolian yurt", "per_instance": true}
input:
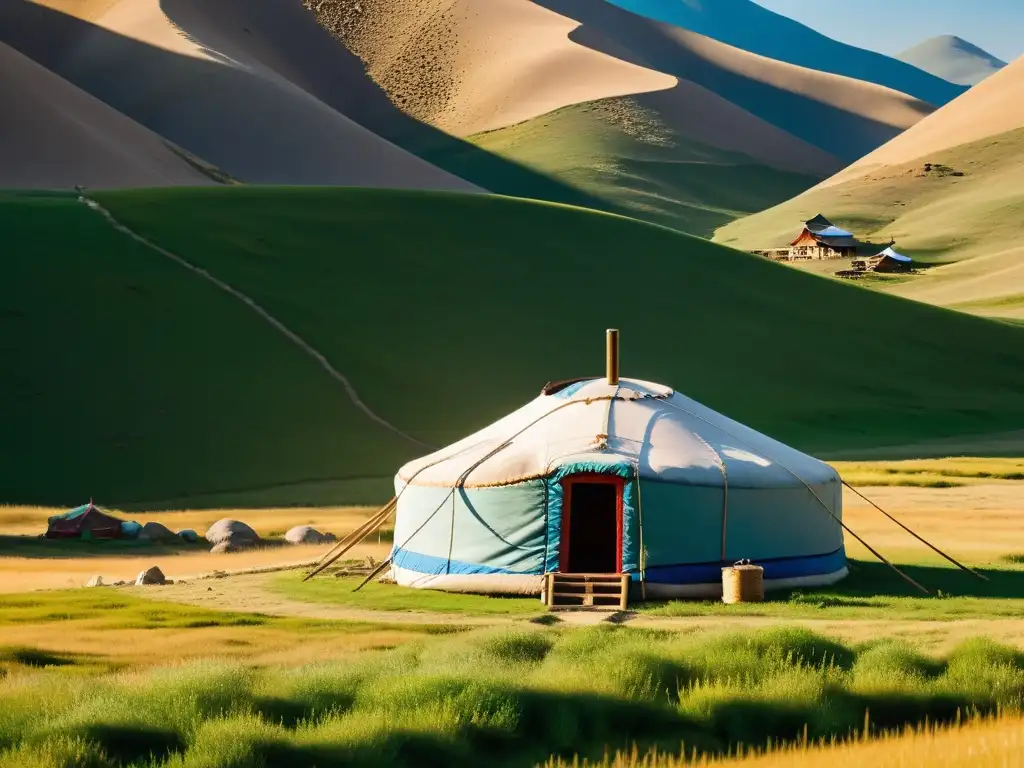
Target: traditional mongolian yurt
{"points": [[603, 475]]}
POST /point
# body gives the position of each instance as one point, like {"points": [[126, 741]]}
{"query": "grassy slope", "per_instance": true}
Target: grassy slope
{"points": [[619, 151], [970, 222], [445, 311], [129, 379]]}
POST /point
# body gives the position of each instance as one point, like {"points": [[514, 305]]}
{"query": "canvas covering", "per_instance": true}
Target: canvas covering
{"points": [[699, 490]]}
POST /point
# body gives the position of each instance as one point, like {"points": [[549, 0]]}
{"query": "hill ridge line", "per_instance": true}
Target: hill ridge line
{"points": [[259, 310]]}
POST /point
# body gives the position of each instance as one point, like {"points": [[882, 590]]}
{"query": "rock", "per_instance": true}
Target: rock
{"points": [[188, 535], [151, 576], [157, 532], [305, 534], [233, 532], [95, 581], [224, 548], [119, 583]]}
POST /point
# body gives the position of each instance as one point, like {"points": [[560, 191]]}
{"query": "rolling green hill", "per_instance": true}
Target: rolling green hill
{"points": [[621, 152], [132, 380], [962, 210]]}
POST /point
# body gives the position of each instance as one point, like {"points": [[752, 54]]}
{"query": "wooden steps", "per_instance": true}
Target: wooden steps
{"points": [[607, 591]]}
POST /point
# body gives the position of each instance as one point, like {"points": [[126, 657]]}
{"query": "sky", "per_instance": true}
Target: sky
{"points": [[892, 26]]}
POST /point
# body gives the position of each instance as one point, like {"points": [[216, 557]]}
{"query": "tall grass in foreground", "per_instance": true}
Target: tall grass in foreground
{"points": [[510, 697], [980, 744]]}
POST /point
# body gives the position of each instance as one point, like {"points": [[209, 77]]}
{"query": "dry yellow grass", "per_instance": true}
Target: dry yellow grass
{"points": [[19, 574], [979, 744], [980, 523], [259, 645]]}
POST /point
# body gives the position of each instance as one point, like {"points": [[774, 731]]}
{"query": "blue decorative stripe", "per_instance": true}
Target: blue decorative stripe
{"points": [[572, 389], [774, 568], [686, 573], [434, 566]]}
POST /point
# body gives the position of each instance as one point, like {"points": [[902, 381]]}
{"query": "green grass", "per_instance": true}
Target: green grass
{"points": [[512, 698], [445, 312], [970, 223], [385, 597], [873, 591], [620, 151]]}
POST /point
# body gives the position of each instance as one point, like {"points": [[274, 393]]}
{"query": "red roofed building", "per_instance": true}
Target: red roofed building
{"points": [[819, 239]]}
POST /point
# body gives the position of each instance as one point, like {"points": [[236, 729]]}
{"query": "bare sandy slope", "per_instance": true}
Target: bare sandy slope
{"points": [[53, 135], [228, 108], [475, 65], [994, 106], [841, 115]]}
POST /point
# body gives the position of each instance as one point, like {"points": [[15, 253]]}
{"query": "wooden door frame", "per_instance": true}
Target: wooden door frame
{"points": [[589, 477]]}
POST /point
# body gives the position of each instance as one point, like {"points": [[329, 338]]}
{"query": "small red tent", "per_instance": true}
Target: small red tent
{"points": [[85, 522]]}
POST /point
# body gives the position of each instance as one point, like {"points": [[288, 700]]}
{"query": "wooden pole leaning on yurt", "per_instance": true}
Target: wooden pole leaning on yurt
{"points": [[612, 355], [353, 538]]}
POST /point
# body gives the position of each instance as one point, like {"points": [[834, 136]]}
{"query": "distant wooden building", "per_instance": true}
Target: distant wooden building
{"points": [[819, 239], [889, 260]]}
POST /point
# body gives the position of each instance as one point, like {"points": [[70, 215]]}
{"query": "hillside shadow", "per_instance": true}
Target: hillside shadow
{"points": [[638, 40], [40, 548], [751, 27], [120, 70]]}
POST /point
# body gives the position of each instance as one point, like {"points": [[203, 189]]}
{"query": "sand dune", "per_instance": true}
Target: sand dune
{"points": [[468, 66], [840, 115], [53, 135], [229, 108], [994, 106]]}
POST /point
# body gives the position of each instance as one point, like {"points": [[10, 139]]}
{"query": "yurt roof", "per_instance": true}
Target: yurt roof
{"points": [[662, 434]]}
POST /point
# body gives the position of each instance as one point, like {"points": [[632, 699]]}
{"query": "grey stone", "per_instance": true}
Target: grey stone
{"points": [[305, 534], [95, 581], [188, 535], [233, 532], [150, 576], [157, 532]]}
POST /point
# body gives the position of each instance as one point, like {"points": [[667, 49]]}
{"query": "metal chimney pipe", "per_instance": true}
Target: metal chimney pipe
{"points": [[612, 355]]}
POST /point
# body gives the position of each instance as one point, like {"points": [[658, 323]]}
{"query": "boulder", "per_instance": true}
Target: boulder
{"points": [[157, 532], [305, 534], [95, 581], [224, 548], [233, 532], [150, 576], [188, 535]]}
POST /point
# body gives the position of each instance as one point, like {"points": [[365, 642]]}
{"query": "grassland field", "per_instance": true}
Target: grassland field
{"points": [[161, 357]]}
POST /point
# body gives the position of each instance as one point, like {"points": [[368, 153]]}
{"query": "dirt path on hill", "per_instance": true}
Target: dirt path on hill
{"points": [[251, 303], [251, 593]]}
